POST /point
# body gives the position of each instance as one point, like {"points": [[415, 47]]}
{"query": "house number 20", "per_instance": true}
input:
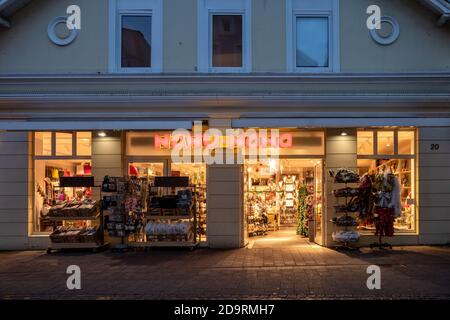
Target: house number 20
{"points": [[434, 146]]}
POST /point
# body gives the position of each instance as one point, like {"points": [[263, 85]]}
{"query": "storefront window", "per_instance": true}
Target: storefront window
{"points": [[43, 143], [385, 142], [406, 142], [365, 142], [401, 164], [64, 144], [84, 143], [50, 165]]}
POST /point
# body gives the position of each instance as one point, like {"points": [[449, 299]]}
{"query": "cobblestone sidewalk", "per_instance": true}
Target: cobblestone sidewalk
{"points": [[295, 273]]}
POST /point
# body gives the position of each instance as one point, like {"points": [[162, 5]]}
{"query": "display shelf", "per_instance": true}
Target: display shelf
{"points": [[340, 209], [74, 218], [95, 246], [159, 217]]}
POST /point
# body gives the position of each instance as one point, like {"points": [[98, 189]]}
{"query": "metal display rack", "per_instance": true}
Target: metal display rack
{"points": [[74, 182], [346, 215], [164, 186]]}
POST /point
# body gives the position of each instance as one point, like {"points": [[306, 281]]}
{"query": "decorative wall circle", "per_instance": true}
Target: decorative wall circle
{"points": [[51, 31], [392, 37]]}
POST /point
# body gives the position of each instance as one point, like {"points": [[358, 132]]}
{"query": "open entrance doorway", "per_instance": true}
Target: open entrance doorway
{"points": [[283, 201]]}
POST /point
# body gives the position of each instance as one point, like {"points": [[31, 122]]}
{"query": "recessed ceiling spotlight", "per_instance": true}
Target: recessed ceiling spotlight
{"points": [[343, 133], [102, 134]]}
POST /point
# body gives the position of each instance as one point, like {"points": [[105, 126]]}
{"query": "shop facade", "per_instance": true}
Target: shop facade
{"points": [[107, 104], [234, 194]]}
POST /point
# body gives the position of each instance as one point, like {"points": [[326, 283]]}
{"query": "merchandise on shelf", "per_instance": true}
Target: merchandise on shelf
{"points": [[70, 234], [169, 231], [75, 208], [343, 175], [346, 236]]}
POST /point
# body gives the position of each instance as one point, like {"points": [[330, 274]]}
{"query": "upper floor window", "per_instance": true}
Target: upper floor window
{"points": [[312, 35], [136, 41], [135, 36], [224, 36]]}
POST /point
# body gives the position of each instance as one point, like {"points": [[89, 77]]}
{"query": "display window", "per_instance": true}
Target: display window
{"points": [[56, 155], [393, 154]]}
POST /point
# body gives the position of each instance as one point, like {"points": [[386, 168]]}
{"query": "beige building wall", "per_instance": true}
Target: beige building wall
{"points": [[340, 153], [107, 159], [434, 185], [422, 45], [16, 193], [180, 35], [269, 36], [225, 214], [26, 49], [224, 200]]}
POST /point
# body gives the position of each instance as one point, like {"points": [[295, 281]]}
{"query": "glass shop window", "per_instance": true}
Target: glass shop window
{"points": [[365, 142], [43, 143], [64, 144], [406, 142], [312, 42], [84, 143], [136, 42], [58, 154], [395, 154], [227, 41], [385, 142]]}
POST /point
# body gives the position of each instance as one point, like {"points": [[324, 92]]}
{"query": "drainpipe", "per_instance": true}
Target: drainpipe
{"points": [[441, 7]]}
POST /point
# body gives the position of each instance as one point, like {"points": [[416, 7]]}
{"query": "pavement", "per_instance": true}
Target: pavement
{"points": [[266, 269]]}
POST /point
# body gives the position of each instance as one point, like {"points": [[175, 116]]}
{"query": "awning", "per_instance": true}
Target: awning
{"points": [[338, 122], [15, 125]]}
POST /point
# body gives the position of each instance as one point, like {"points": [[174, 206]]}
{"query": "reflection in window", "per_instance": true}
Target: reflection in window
{"points": [[63, 144], [385, 142], [43, 143], [136, 41], [227, 41], [365, 142], [406, 142], [312, 42]]}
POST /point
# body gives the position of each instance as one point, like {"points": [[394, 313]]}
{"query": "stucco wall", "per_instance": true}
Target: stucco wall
{"points": [[15, 190], [422, 46], [268, 36], [180, 35], [434, 186], [26, 49]]}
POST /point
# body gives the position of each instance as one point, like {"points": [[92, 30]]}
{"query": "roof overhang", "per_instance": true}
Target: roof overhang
{"points": [[8, 8], [440, 7]]}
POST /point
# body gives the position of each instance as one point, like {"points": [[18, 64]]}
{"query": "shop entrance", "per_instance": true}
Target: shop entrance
{"points": [[283, 201]]}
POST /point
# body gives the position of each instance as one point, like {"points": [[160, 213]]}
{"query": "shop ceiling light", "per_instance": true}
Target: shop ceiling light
{"points": [[343, 133], [102, 134]]}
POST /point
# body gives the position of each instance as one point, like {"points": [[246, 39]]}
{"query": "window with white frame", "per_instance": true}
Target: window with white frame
{"points": [[224, 36], [135, 44], [312, 34]]}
